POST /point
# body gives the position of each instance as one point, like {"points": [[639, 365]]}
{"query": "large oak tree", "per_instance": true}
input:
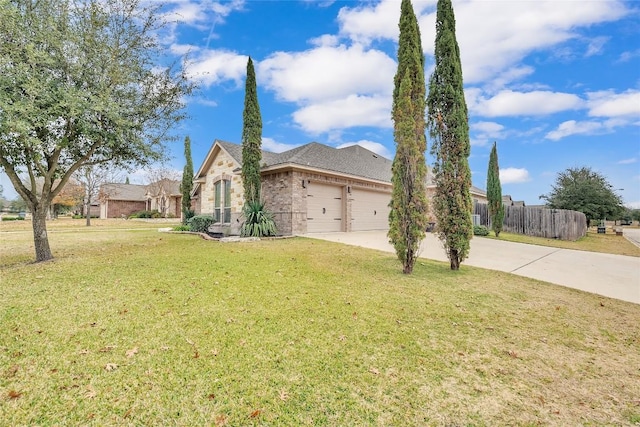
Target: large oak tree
{"points": [[81, 85]]}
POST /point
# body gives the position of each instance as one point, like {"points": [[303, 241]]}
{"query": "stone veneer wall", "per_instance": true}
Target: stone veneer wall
{"points": [[222, 167], [286, 198]]}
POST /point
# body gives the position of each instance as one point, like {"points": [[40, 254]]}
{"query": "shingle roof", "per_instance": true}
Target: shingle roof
{"points": [[117, 191], [352, 160]]}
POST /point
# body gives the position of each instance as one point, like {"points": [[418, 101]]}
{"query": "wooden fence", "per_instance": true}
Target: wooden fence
{"points": [[537, 221]]}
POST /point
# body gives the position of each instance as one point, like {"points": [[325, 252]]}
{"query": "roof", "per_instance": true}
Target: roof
{"points": [[353, 160], [117, 191]]}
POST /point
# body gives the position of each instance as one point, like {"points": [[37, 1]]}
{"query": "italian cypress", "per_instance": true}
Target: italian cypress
{"points": [[449, 128], [408, 215], [251, 138], [494, 192], [187, 182]]}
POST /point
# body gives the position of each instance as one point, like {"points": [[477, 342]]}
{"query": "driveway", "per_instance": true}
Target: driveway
{"points": [[614, 276], [632, 235]]}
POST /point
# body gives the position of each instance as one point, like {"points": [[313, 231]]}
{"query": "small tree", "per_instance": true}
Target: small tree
{"points": [[187, 182], [91, 178], [408, 214], [584, 190], [494, 192], [449, 128], [251, 138]]}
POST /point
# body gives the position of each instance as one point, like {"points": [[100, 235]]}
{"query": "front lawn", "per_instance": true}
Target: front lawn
{"points": [[136, 327]]}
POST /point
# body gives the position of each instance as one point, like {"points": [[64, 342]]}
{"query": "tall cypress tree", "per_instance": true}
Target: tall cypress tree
{"points": [[251, 138], [494, 192], [407, 218], [449, 128], [187, 181]]}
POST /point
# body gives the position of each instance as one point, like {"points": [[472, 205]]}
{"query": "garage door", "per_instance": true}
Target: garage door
{"points": [[324, 208], [369, 210]]}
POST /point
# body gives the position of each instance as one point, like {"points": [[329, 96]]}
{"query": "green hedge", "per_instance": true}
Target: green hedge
{"points": [[200, 223], [480, 230], [12, 218], [146, 214]]}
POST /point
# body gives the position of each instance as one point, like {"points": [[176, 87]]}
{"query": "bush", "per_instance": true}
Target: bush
{"points": [[200, 223], [12, 218], [258, 221], [182, 228], [480, 230], [145, 214]]}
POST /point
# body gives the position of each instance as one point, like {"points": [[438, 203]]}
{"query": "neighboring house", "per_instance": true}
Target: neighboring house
{"points": [[121, 200], [508, 201], [165, 197], [311, 188]]}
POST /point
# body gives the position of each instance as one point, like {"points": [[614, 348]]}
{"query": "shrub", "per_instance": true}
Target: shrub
{"points": [[182, 228], [12, 218], [200, 223], [258, 221], [480, 230], [145, 214]]}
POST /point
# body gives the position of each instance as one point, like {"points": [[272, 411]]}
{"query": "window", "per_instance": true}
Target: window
{"points": [[222, 202]]}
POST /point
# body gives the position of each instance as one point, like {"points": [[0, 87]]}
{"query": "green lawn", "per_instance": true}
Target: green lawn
{"points": [[136, 327]]}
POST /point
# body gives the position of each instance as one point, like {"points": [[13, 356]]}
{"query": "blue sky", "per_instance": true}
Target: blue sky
{"points": [[556, 84]]}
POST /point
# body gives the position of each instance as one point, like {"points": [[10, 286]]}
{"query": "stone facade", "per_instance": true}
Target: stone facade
{"points": [[223, 167]]}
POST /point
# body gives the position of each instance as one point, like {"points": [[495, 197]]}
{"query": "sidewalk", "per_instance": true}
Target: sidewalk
{"points": [[614, 276]]}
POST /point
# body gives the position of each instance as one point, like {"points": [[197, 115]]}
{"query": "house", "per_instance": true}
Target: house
{"points": [[121, 200], [165, 197], [508, 201], [311, 188]]}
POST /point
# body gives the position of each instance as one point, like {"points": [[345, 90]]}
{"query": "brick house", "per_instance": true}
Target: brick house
{"points": [[121, 200], [311, 188]]}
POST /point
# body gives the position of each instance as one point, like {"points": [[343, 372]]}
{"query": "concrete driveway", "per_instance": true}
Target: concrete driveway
{"points": [[632, 235], [613, 276]]}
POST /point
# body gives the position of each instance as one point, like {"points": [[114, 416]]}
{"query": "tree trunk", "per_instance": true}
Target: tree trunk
{"points": [[454, 259], [88, 211], [40, 237]]}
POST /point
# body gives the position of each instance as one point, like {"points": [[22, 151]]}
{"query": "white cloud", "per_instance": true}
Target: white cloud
{"points": [[572, 127], [270, 144], [610, 104], [325, 40], [514, 175], [628, 161], [211, 67], [200, 14], [491, 129], [327, 72], [182, 49], [493, 36], [376, 147], [483, 132], [354, 110], [592, 127], [509, 103], [596, 45]]}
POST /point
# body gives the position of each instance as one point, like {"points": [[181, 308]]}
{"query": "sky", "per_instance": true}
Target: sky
{"points": [[556, 84]]}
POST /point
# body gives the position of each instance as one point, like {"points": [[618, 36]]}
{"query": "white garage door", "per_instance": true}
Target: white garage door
{"points": [[369, 210], [324, 208]]}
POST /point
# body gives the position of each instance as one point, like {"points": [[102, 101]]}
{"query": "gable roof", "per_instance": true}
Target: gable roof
{"points": [[353, 160], [117, 191]]}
